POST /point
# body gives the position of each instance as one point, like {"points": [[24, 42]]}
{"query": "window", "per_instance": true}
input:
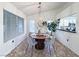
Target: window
{"points": [[13, 25], [32, 26], [68, 24]]}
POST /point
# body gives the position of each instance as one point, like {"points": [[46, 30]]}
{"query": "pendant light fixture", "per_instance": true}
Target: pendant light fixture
{"points": [[39, 15]]}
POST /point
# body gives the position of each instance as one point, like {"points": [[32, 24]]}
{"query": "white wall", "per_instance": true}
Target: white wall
{"points": [[8, 46], [62, 36]]}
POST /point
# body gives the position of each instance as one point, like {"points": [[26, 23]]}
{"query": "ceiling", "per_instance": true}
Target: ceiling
{"points": [[30, 8]]}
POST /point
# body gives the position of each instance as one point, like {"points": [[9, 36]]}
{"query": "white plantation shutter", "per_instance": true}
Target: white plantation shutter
{"points": [[13, 25]]}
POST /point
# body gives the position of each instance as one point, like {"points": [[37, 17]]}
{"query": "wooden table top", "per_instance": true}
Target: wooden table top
{"points": [[39, 36]]}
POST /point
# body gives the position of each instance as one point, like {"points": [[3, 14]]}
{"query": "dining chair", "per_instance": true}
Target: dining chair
{"points": [[52, 42], [31, 44], [49, 46], [47, 50]]}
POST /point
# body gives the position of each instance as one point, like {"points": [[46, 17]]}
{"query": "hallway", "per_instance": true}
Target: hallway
{"points": [[22, 51]]}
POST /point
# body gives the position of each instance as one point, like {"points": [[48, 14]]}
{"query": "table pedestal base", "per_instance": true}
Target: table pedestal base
{"points": [[40, 44]]}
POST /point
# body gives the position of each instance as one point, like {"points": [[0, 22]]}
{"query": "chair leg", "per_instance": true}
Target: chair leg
{"points": [[49, 50], [54, 49], [29, 51], [32, 52]]}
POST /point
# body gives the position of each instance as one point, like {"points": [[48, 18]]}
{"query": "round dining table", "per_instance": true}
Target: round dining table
{"points": [[40, 39]]}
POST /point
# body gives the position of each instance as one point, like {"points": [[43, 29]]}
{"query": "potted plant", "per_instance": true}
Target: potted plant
{"points": [[52, 27]]}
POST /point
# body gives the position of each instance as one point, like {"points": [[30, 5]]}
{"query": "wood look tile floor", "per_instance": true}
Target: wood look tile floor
{"points": [[59, 50]]}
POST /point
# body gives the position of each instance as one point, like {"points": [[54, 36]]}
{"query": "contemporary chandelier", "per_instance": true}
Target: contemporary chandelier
{"points": [[39, 7], [39, 15]]}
